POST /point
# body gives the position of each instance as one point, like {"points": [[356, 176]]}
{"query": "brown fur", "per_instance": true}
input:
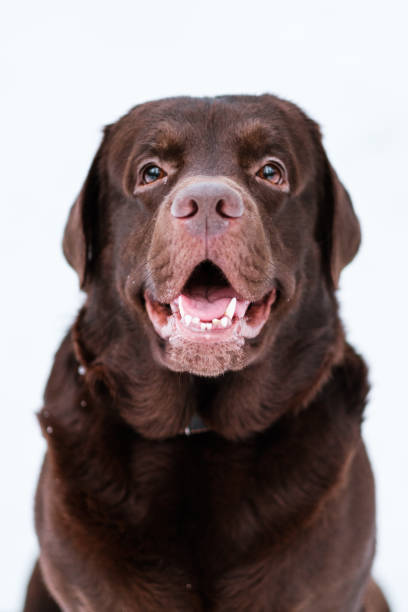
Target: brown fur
{"points": [[273, 507]]}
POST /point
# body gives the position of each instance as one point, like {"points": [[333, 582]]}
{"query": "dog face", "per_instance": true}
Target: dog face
{"points": [[217, 226]]}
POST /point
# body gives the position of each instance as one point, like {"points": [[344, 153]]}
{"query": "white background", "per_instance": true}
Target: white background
{"points": [[70, 67]]}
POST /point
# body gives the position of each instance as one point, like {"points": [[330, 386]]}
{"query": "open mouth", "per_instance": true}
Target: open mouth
{"points": [[208, 309]]}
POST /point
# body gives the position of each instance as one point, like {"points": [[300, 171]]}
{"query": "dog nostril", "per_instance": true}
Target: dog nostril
{"points": [[193, 208], [231, 207], [207, 200], [220, 208], [184, 208]]}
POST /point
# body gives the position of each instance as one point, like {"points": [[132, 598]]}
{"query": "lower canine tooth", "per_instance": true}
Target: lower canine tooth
{"points": [[230, 309], [181, 307], [225, 321]]}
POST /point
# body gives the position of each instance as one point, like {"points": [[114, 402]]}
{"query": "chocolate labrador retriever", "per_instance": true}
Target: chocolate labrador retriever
{"points": [[203, 415]]}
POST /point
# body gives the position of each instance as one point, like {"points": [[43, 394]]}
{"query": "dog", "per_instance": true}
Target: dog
{"points": [[203, 414]]}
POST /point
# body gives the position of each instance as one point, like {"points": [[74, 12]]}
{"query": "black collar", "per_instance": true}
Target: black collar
{"points": [[195, 426]]}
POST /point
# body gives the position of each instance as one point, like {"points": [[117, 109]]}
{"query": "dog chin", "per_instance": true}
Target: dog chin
{"points": [[210, 360]]}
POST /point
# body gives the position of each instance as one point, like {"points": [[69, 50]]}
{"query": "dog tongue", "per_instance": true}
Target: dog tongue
{"points": [[208, 303]]}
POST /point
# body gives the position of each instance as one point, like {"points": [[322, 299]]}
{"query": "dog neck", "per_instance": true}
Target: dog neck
{"points": [[159, 403]]}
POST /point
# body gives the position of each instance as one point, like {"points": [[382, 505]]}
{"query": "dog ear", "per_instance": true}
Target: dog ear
{"points": [[80, 236], [338, 227], [345, 227]]}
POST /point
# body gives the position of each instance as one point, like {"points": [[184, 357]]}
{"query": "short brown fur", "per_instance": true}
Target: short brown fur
{"points": [[272, 508]]}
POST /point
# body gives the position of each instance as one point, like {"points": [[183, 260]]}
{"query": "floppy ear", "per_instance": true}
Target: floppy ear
{"points": [[80, 236], [339, 226]]}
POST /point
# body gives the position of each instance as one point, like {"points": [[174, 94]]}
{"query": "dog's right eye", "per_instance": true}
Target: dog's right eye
{"points": [[152, 173]]}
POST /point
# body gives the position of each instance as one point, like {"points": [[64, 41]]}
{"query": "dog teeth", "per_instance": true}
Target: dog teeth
{"points": [[230, 309], [187, 319], [205, 326], [180, 304]]}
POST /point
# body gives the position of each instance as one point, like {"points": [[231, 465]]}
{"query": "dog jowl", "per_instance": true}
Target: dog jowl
{"points": [[212, 228], [209, 238]]}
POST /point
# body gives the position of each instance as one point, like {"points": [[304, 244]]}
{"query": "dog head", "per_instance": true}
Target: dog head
{"points": [[216, 227]]}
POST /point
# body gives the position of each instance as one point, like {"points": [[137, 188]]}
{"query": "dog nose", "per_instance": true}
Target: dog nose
{"points": [[207, 206]]}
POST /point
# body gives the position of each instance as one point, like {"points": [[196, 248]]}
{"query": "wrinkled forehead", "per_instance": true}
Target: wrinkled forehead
{"points": [[214, 130]]}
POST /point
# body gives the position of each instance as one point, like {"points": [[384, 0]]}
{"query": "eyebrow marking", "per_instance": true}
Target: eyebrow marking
{"points": [[252, 129], [255, 139], [165, 140]]}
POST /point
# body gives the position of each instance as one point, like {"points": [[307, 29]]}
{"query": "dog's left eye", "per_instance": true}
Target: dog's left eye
{"points": [[152, 173], [272, 173]]}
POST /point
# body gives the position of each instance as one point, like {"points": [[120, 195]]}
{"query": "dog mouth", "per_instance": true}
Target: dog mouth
{"points": [[208, 309]]}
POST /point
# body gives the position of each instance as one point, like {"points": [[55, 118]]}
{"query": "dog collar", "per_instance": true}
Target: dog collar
{"points": [[195, 426]]}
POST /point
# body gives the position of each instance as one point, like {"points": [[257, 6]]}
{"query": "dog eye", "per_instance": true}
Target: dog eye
{"points": [[152, 174], [272, 173]]}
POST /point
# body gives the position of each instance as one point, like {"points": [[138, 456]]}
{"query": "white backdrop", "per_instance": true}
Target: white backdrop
{"points": [[70, 67]]}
